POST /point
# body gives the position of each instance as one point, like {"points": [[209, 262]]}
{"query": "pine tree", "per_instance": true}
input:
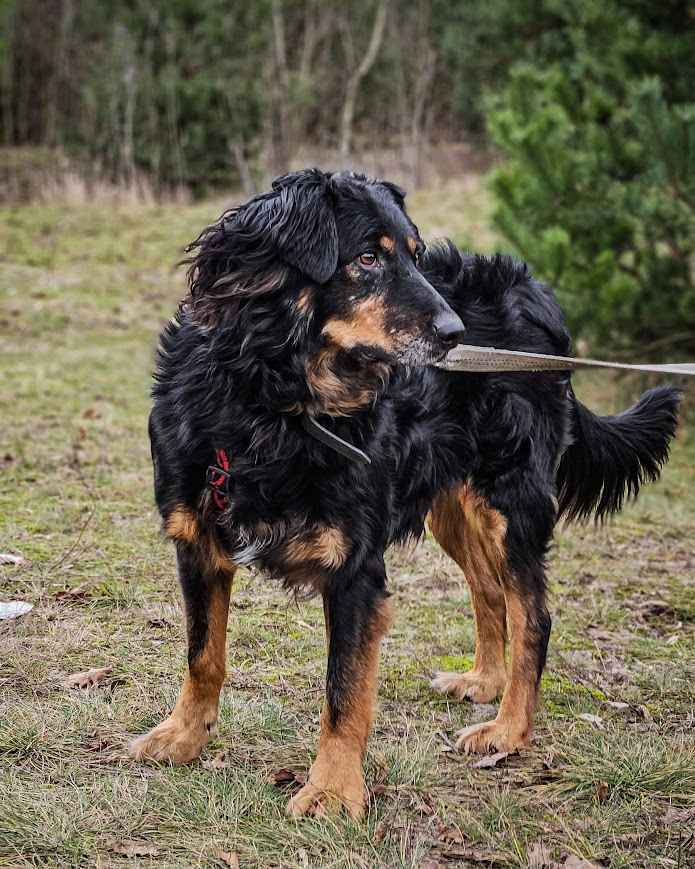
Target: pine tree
{"points": [[598, 192]]}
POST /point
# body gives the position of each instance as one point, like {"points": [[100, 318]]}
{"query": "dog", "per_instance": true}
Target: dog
{"points": [[299, 425]]}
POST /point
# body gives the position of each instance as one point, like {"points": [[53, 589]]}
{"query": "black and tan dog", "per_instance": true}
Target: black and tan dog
{"points": [[317, 303]]}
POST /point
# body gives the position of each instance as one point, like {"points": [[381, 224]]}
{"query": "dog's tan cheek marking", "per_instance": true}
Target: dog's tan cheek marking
{"points": [[328, 546], [365, 326], [332, 395], [387, 244], [412, 244]]}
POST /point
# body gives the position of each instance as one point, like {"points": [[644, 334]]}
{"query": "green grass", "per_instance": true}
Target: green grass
{"points": [[83, 295]]}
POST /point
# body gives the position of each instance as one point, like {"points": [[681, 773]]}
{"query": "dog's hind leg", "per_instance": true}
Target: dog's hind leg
{"points": [[357, 614], [472, 534], [527, 505], [206, 580]]}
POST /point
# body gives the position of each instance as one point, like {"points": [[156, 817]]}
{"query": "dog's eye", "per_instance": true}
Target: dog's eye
{"points": [[368, 258]]}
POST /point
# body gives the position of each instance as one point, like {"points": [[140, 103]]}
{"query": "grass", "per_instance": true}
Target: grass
{"points": [[84, 292]]}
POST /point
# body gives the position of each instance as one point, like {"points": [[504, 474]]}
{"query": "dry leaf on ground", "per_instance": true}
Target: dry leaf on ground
{"points": [[221, 760], [78, 592], [229, 858], [87, 678], [679, 816], [9, 558], [602, 789], [133, 848], [538, 856], [283, 778], [450, 834], [596, 720], [574, 862], [490, 760]]}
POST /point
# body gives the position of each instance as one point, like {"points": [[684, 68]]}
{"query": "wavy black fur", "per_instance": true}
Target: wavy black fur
{"points": [[318, 297], [611, 457]]}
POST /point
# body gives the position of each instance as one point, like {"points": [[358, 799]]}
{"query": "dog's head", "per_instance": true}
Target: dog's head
{"points": [[335, 257]]}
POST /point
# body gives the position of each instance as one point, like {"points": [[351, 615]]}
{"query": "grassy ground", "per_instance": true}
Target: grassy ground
{"points": [[83, 294]]}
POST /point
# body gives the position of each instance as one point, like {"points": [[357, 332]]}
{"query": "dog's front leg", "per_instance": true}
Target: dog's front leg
{"points": [[206, 585], [357, 613]]}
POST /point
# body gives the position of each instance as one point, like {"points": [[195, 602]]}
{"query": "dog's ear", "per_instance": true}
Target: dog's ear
{"points": [[297, 218], [397, 192]]}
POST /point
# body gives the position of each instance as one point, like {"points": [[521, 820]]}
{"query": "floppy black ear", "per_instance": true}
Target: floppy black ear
{"points": [[298, 220]]}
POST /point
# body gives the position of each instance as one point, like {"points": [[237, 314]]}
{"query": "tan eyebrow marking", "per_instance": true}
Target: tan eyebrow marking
{"points": [[387, 243], [412, 244]]}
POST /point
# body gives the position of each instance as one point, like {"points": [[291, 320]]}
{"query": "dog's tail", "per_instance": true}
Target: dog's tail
{"points": [[610, 457]]}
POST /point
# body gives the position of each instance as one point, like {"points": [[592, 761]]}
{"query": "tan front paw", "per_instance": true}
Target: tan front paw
{"points": [[492, 736], [173, 740], [331, 787], [475, 685]]}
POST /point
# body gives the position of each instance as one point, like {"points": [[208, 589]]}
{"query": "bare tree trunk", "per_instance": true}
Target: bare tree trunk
{"points": [[357, 76], [243, 168], [417, 130], [280, 95], [8, 78]]}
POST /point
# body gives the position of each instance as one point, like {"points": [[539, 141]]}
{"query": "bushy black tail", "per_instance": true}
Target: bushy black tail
{"points": [[612, 456]]}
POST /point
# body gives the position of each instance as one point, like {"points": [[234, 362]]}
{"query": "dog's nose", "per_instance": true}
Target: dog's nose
{"points": [[449, 328]]}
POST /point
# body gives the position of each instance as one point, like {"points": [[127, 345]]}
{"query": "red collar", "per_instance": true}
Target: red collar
{"points": [[218, 479]]}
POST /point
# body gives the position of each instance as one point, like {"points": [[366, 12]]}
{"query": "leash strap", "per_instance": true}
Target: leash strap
{"points": [[316, 430], [467, 357]]}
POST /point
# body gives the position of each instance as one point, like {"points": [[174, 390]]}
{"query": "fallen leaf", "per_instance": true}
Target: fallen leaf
{"points": [[655, 608], [538, 856], [451, 834], [679, 816], [474, 855], [8, 558], [96, 743], [646, 714], [616, 704], [229, 858], [377, 790], [283, 778], [133, 848], [78, 592], [490, 760], [380, 833], [221, 760], [159, 623], [87, 678], [596, 720], [14, 609], [602, 789], [574, 862]]}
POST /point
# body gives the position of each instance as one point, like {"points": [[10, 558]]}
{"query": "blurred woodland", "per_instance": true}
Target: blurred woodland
{"points": [[585, 109]]}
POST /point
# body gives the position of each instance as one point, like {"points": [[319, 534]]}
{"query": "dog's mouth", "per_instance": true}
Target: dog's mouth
{"points": [[422, 352]]}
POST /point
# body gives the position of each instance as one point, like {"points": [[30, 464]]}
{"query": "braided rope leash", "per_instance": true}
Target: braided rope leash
{"points": [[467, 357]]}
